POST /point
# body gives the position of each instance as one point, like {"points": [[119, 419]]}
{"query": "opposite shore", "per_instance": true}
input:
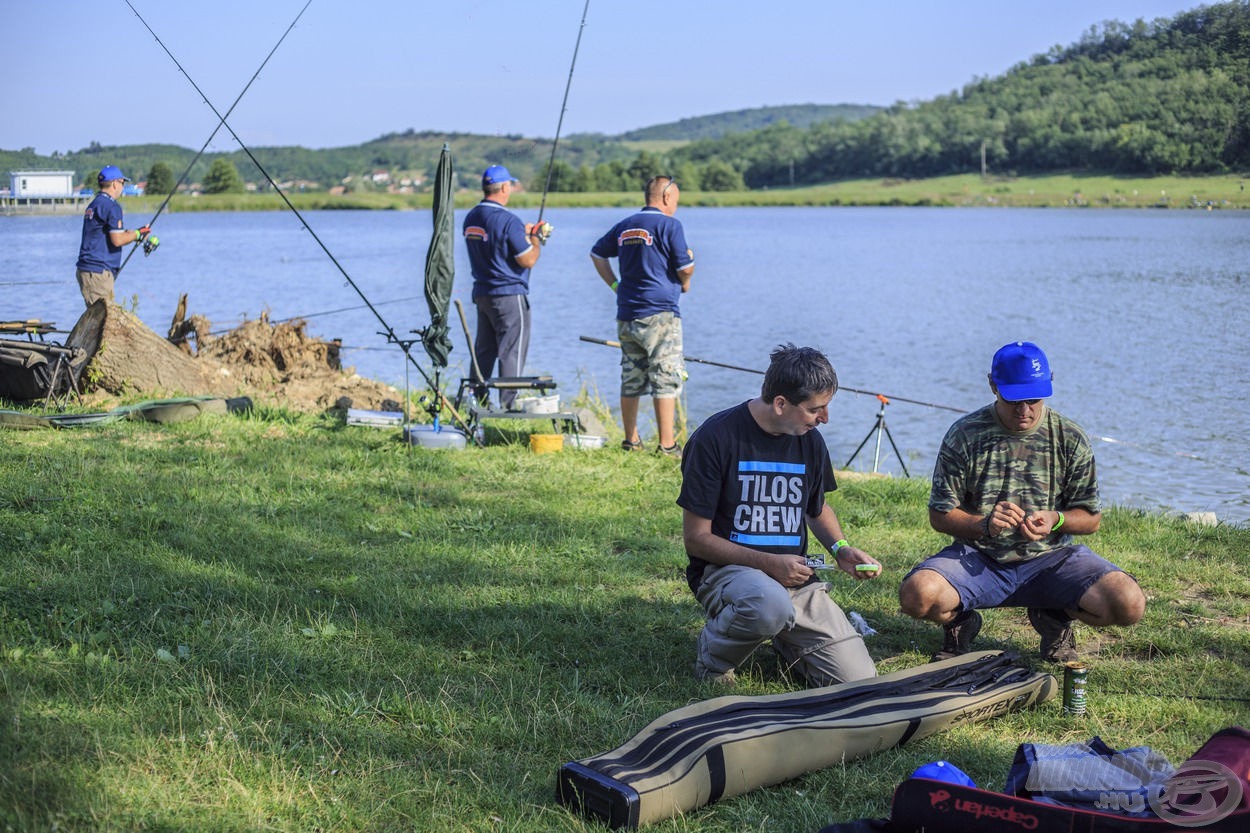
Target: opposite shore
{"points": [[1068, 190]]}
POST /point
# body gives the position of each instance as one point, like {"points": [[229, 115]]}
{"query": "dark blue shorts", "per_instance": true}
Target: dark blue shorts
{"points": [[1057, 579]]}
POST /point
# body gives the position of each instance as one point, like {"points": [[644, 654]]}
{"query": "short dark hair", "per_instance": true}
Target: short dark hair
{"points": [[798, 374]]}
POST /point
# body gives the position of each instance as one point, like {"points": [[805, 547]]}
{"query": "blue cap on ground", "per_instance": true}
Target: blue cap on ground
{"points": [[111, 172], [944, 771], [496, 174], [1021, 371]]}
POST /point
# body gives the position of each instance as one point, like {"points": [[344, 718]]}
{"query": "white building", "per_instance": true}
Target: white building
{"points": [[41, 183]]}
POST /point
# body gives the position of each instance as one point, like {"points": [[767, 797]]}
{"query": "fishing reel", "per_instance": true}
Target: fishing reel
{"points": [[542, 231], [150, 243]]}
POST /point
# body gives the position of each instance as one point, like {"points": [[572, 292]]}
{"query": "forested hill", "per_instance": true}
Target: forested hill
{"points": [[1172, 95], [742, 121]]}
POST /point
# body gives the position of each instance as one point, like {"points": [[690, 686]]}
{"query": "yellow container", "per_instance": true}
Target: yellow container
{"points": [[545, 443]]}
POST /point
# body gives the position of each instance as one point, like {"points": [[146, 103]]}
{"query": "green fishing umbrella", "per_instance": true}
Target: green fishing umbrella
{"points": [[440, 267]]}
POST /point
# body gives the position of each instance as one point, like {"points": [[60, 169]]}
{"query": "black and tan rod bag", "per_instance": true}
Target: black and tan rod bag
{"points": [[727, 746]]}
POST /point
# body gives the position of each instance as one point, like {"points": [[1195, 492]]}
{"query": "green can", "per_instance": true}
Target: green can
{"points": [[1074, 676]]}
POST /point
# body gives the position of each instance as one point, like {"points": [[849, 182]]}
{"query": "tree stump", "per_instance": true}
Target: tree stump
{"points": [[125, 356]]}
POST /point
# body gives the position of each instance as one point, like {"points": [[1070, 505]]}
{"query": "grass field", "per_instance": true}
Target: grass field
{"points": [[278, 622], [1051, 191]]}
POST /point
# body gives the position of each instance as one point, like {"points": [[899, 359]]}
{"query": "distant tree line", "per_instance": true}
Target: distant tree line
{"points": [[712, 175]]}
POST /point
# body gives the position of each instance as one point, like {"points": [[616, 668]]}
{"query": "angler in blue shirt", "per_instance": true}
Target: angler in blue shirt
{"points": [[103, 236], [502, 250], [656, 267]]}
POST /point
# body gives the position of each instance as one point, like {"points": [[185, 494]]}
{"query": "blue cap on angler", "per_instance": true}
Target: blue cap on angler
{"points": [[111, 172], [496, 174], [1020, 371]]}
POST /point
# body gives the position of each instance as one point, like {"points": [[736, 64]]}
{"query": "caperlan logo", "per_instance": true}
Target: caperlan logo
{"points": [[940, 800], [1037, 366], [1198, 793]]}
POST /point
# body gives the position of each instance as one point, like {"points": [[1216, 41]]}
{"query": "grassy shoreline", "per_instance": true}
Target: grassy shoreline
{"points": [[1043, 191], [280, 622]]}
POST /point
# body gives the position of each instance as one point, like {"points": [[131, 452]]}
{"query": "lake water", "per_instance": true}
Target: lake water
{"points": [[1144, 314]]}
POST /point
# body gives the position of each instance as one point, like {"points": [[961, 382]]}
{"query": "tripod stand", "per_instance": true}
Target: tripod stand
{"points": [[880, 428]]}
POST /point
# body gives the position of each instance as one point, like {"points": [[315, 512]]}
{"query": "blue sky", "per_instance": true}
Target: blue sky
{"points": [[78, 71]]}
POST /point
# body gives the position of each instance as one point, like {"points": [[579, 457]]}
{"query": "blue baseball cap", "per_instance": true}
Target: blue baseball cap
{"points": [[496, 174], [109, 173], [944, 771], [1020, 371]]}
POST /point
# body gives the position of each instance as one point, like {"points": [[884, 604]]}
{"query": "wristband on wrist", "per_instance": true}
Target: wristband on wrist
{"points": [[837, 546], [1058, 523], [614, 285]]}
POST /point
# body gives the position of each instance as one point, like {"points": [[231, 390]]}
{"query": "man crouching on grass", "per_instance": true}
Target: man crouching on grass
{"points": [[1014, 481], [754, 479]]}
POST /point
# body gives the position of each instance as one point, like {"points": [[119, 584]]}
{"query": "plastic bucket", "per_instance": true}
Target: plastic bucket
{"points": [[546, 443], [426, 437]]}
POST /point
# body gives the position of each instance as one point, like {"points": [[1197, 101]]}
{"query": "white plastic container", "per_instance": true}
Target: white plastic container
{"points": [[377, 419], [548, 404], [584, 442], [426, 437]]}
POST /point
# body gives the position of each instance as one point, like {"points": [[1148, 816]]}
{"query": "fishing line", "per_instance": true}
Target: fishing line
{"points": [[310, 315], [563, 106], [390, 332], [212, 135], [761, 373]]}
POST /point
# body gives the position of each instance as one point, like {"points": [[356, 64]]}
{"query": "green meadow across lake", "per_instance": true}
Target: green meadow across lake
{"points": [[1042, 190], [279, 622]]}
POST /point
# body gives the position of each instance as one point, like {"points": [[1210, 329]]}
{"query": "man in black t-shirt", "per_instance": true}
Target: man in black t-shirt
{"points": [[754, 479]]}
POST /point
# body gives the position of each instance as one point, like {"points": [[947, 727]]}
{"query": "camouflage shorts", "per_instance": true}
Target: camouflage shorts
{"points": [[651, 360]]}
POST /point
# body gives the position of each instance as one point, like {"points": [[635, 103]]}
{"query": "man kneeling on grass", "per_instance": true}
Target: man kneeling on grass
{"points": [[1014, 481], [754, 479]]}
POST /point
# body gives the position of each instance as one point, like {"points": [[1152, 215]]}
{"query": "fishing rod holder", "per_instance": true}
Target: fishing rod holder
{"points": [[879, 428]]}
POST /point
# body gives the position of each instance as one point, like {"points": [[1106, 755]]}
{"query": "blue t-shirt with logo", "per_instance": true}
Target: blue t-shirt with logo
{"points": [[494, 237], [756, 488], [651, 249], [97, 253]]}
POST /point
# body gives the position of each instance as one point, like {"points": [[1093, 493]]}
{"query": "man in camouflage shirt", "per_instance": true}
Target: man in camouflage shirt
{"points": [[1014, 481]]}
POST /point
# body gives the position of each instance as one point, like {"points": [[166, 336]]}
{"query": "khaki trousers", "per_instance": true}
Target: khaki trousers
{"points": [[95, 285], [745, 607]]}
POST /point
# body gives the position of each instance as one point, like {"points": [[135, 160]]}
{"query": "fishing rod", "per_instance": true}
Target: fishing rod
{"points": [[560, 122], [761, 373], [390, 332], [1108, 440], [211, 136]]}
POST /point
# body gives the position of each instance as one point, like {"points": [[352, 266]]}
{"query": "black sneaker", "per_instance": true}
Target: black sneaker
{"points": [[631, 445], [958, 635], [1058, 643]]}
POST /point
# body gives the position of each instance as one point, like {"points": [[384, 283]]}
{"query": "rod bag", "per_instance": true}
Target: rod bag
{"points": [[727, 746]]}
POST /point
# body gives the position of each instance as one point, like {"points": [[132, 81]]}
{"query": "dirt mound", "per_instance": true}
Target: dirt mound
{"points": [[280, 364]]}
